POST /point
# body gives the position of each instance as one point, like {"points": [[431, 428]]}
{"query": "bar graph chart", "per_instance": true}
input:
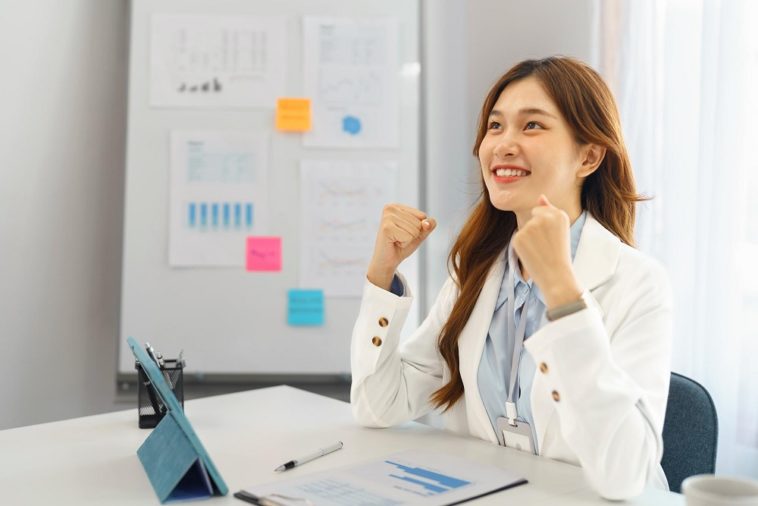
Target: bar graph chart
{"points": [[426, 481], [219, 216], [410, 478]]}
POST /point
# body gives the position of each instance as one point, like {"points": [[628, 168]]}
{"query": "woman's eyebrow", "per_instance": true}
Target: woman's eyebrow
{"points": [[525, 112]]}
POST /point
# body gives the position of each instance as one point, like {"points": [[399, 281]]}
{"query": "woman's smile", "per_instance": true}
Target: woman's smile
{"points": [[507, 174]]}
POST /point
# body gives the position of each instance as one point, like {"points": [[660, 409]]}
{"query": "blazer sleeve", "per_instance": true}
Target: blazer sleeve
{"points": [[392, 381], [609, 381]]}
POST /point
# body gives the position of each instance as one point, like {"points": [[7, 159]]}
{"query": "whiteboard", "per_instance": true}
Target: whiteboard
{"points": [[228, 320]]}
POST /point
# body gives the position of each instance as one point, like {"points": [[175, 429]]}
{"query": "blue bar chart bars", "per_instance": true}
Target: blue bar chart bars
{"points": [[219, 216], [430, 482]]}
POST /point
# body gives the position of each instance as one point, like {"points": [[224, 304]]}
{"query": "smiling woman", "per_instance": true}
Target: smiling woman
{"points": [[527, 142], [545, 264]]}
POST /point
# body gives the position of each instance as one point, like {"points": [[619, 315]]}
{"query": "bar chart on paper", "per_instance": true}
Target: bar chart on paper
{"points": [[421, 481], [218, 196], [219, 216], [415, 477]]}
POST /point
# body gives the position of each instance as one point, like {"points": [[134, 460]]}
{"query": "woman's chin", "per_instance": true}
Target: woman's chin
{"points": [[502, 204]]}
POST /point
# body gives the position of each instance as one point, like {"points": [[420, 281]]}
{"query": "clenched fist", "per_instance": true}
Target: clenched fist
{"points": [[544, 249], [401, 232]]}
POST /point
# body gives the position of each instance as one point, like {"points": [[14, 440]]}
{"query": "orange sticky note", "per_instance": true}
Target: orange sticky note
{"points": [[264, 253], [293, 114]]}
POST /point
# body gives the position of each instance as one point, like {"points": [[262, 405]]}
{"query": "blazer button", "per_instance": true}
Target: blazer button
{"points": [[376, 341], [556, 396], [543, 368], [383, 322]]}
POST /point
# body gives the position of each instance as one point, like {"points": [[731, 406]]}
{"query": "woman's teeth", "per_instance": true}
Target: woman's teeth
{"points": [[510, 172]]}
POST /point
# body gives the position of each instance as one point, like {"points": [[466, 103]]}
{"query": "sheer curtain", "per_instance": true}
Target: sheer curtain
{"points": [[684, 75]]}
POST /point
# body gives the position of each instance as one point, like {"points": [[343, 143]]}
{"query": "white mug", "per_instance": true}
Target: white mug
{"points": [[711, 490]]}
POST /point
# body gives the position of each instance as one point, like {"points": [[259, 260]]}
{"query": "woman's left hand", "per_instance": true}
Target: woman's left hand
{"points": [[543, 247]]}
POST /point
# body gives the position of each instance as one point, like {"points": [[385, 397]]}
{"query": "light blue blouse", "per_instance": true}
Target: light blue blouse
{"points": [[495, 366]]}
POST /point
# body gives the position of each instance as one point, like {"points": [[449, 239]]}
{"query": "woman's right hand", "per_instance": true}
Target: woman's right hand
{"points": [[401, 232]]}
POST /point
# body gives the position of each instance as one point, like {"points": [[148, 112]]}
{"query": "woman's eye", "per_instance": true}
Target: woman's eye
{"points": [[493, 125], [532, 125]]}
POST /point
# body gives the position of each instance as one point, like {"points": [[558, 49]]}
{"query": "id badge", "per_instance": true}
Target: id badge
{"points": [[518, 437]]}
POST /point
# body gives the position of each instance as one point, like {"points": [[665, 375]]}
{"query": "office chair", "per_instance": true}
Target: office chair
{"points": [[690, 431]]}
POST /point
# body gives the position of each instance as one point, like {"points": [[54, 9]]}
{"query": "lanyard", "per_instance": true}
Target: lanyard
{"points": [[517, 335]]}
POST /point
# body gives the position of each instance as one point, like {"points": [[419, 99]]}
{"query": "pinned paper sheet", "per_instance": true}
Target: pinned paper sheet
{"points": [[293, 114], [305, 307], [218, 195], [264, 253], [351, 71]]}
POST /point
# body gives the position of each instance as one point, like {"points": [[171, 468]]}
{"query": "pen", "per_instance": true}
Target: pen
{"points": [[246, 496], [154, 398], [302, 460], [151, 394], [158, 359]]}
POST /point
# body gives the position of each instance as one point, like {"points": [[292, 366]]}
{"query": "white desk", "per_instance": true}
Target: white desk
{"points": [[93, 460]]}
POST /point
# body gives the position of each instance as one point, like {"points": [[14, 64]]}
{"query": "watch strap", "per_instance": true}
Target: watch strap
{"points": [[568, 308]]}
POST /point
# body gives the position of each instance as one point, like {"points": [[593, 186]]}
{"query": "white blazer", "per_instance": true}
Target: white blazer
{"points": [[607, 366]]}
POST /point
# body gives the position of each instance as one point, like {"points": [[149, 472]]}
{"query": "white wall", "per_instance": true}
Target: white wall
{"points": [[62, 137], [62, 129], [468, 45]]}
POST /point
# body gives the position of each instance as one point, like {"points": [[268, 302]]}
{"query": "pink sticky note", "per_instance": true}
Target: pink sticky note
{"points": [[264, 254]]}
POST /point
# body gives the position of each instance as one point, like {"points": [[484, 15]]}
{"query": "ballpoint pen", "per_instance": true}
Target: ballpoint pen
{"points": [[158, 359], [270, 499], [151, 394], [154, 399], [302, 460]]}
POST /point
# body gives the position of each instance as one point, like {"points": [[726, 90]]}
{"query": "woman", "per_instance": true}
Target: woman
{"points": [[552, 334]]}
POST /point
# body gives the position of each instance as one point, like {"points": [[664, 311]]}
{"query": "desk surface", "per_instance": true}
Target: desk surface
{"points": [[93, 460]]}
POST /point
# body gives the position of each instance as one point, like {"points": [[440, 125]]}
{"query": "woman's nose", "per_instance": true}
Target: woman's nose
{"points": [[506, 147]]}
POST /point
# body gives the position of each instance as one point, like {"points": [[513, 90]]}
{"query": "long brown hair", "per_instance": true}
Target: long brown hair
{"points": [[608, 194]]}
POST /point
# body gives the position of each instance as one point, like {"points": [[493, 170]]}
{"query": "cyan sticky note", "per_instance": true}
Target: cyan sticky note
{"points": [[305, 307], [264, 253]]}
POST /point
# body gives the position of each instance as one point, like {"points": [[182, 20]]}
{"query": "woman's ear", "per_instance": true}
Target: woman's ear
{"points": [[593, 155]]}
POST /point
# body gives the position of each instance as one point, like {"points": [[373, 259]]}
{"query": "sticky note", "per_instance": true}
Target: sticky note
{"points": [[293, 114], [305, 307], [264, 253]]}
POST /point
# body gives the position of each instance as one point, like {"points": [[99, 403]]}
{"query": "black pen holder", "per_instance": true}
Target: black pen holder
{"points": [[150, 408]]}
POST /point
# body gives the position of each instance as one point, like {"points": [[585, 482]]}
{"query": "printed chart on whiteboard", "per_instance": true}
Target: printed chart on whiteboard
{"points": [[218, 196], [216, 61], [341, 205], [351, 72]]}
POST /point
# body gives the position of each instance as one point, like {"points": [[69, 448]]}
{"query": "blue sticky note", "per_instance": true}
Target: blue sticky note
{"points": [[351, 125], [305, 307]]}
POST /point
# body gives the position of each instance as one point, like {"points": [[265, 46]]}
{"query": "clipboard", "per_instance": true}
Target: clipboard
{"points": [[173, 457]]}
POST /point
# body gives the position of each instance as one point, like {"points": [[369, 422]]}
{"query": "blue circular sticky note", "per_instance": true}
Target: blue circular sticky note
{"points": [[351, 125]]}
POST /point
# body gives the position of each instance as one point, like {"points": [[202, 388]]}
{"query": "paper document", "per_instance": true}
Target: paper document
{"points": [[216, 61], [414, 477], [341, 207], [351, 72], [218, 196]]}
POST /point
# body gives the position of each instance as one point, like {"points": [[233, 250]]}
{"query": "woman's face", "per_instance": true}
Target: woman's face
{"points": [[529, 150]]}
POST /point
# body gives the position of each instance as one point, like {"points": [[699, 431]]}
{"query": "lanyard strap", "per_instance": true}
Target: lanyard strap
{"points": [[517, 336]]}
